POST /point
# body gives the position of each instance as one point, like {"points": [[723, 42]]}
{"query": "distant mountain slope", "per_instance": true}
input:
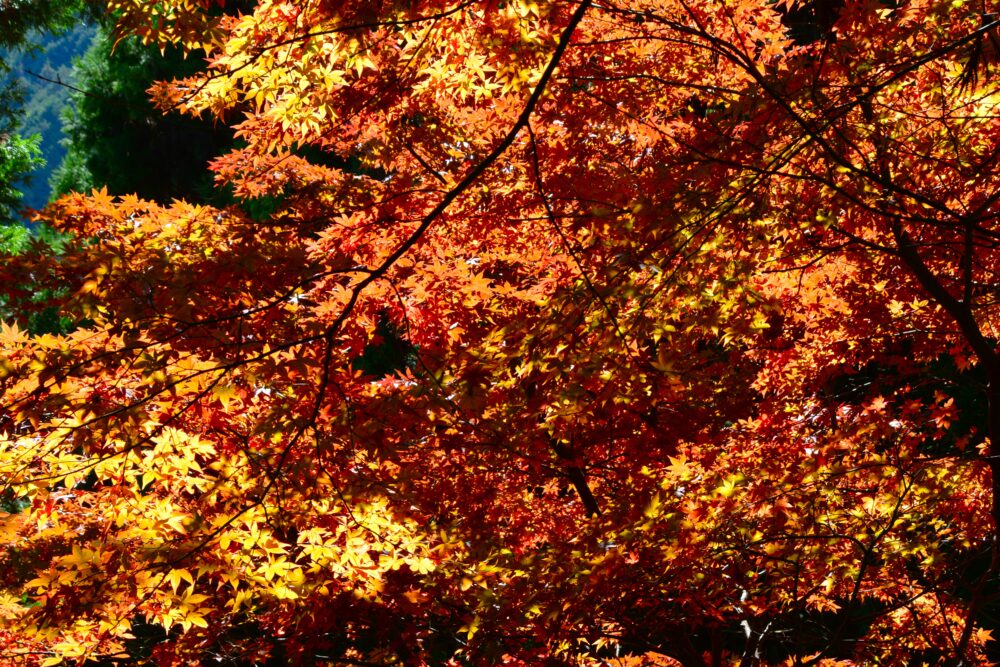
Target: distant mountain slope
{"points": [[40, 73]]}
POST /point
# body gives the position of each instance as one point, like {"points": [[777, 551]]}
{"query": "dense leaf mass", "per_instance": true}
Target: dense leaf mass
{"points": [[571, 332]]}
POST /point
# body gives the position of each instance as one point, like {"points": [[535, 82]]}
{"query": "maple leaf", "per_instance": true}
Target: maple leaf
{"points": [[878, 404], [696, 259]]}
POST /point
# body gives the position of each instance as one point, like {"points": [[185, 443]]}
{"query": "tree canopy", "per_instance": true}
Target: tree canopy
{"points": [[18, 157], [692, 310], [117, 139]]}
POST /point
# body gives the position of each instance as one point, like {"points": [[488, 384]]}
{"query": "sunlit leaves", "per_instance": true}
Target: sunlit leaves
{"points": [[701, 354]]}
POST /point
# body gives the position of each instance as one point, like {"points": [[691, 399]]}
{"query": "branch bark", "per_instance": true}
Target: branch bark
{"points": [[577, 477]]}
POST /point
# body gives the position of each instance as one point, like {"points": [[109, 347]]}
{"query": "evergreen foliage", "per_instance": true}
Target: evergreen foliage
{"points": [[18, 157], [117, 139]]}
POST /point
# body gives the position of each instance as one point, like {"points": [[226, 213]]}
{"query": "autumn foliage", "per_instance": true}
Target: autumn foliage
{"points": [[692, 307]]}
